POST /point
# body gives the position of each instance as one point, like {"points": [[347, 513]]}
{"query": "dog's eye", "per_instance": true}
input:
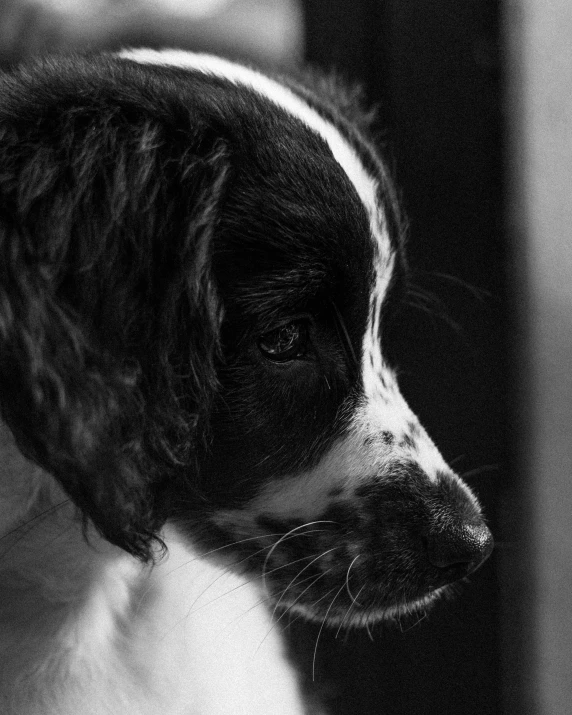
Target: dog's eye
{"points": [[287, 342]]}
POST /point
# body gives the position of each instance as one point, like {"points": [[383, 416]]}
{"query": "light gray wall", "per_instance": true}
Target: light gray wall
{"points": [[539, 34]]}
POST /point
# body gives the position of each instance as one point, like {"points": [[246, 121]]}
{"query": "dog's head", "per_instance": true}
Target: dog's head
{"points": [[197, 266]]}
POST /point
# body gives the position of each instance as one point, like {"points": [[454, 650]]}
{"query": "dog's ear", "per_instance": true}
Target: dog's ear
{"points": [[108, 317]]}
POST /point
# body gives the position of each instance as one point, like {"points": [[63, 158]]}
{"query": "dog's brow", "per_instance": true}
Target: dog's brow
{"points": [[272, 295]]}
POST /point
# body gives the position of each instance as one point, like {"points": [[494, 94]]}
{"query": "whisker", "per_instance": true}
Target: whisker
{"points": [[417, 622], [191, 611], [321, 628], [350, 609], [43, 515], [301, 615], [348, 582], [369, 632], [480, 470], [329, 551], [427, 301], [259, 603], [290, 563], [477, 292], [232, 545], [28, 527], [288, 610], [227, 570], [222, 548], [285, 536], [196, 558]]}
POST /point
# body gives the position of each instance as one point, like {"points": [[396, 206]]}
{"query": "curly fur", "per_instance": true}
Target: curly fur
{"points": [[96, 286], [164, 217]]}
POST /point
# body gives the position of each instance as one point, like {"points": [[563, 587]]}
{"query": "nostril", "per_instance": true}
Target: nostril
{"points": [[466, 545]]}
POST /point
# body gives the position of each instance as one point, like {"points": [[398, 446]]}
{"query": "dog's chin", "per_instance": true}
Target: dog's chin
{"points": [[352, 614]]}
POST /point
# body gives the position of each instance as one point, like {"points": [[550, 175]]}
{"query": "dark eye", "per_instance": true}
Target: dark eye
{"points": [[287, 342]]}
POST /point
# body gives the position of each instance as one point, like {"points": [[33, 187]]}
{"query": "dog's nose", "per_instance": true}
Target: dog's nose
{"points": [[462, 545]]}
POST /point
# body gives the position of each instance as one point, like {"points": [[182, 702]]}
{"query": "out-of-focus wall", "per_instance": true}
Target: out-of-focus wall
{"points": [[266, 31], [539, 41]]}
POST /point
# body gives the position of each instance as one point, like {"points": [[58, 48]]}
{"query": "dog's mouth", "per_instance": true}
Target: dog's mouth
{"points": [[359, 580], [387, 554], [328, 572]]}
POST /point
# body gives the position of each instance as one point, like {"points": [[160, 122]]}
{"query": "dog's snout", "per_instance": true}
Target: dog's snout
{"points": [[465, 546]]}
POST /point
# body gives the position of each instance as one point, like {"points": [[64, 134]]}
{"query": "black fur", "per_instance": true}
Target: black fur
{"points": [[150, 232]]}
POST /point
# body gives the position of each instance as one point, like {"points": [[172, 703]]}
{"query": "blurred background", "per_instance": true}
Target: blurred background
{"points": [[475, 115]]}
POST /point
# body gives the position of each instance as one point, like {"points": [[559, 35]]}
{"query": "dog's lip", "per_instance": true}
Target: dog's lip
{"points": [[362, 593], [355, 612]]}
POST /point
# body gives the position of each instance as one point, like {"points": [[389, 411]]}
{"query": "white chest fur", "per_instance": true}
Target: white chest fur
{"points": [[216, 626], [86, 629]]}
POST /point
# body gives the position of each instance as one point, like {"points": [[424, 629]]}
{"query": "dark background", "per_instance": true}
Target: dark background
{"points": [[434, 69]]}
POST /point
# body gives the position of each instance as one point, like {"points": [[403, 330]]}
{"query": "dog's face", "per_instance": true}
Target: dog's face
{"points": [[211, 331]]}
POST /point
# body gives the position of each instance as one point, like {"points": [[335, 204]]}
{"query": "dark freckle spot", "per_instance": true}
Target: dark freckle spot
{"points": [[343, 514], [408, 441], [414, 429], [335, 492], [265, 522], [272, 525], [402, 479], [387, 437]]}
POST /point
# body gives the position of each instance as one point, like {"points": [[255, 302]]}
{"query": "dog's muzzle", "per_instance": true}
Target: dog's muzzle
{"points": [[397, 542], [384, 547], [419, 535]]}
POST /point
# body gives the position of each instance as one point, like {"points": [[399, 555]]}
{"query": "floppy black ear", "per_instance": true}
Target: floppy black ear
{"points": [[108, 318]]}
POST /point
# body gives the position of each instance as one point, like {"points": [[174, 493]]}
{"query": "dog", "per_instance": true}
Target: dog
{"points": [[201, 432]]}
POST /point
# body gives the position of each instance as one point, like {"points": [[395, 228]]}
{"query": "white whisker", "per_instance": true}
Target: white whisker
{"points": [[369, 632], [301, 572], [348, 580], [350, 609], [316, 579], [285, 536], [320, 631]]}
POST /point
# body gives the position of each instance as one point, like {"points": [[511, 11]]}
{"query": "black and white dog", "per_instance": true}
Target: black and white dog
{"points": [[200, 431]]}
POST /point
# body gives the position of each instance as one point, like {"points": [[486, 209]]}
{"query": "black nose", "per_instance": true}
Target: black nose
{"points": [[462, 545]]}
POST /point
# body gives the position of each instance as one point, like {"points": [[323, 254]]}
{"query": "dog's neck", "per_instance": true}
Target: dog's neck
{"points": [[85, 628]]}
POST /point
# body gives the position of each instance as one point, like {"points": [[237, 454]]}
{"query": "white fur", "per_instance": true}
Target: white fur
{"points": [[85, 629]]}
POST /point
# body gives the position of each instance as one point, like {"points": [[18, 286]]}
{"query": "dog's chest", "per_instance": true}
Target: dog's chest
{"points": [[214, 630], [186, 638]]}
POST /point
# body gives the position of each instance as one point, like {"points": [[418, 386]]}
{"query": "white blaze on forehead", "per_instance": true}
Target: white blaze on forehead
{"points": [[342, 151], [383, 407], [364, 184], [376, 376]]}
